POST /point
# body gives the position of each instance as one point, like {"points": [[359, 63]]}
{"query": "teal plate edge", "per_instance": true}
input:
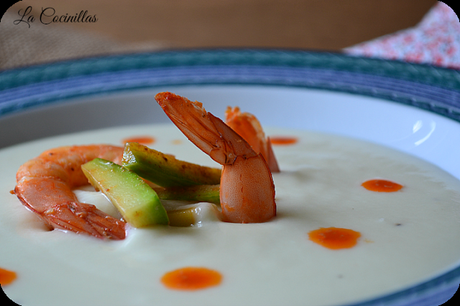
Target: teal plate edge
{"points": [[427, 87]]}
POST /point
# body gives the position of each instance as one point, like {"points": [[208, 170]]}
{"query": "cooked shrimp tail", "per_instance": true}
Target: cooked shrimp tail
{"points": [[45, 184], [247, 192], [271, 158], [249, 127]]}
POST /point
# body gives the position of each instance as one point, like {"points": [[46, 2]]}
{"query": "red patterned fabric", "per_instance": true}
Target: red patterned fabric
{"points": [[435, 40]]}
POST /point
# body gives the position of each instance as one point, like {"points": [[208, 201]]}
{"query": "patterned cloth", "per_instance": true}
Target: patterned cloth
{"points": [[435, 40]]}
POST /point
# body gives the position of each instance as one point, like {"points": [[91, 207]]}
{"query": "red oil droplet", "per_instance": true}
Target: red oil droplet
{"points": [[335, 238], [379, 185], [146, 140], [283, 140], [191, 278], [7, 277]]}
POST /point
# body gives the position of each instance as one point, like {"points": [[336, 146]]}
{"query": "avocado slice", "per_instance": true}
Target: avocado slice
{"points": [[165, 170], [137, 202], [191, 214], [198, 193]]}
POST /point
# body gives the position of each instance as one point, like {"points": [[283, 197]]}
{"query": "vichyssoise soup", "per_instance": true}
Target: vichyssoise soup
{"points": [[354, 221]]}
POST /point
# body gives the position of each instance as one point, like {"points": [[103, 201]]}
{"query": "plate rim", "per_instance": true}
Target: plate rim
{"points": [[427, 87]]}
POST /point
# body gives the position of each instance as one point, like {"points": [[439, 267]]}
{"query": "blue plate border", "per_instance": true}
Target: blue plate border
{"points": [[427, 87], [422, 86]]}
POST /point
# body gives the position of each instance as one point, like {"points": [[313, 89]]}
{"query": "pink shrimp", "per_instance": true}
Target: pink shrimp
{"points": [[247, 191], [249, 127], [45, 183]]}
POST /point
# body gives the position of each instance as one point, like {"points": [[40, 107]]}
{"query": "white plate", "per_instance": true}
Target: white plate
{"points": [[412, 108]]}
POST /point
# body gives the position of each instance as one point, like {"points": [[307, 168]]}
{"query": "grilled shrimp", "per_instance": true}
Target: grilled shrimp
{"points": [[247, 191], [45, 184]]}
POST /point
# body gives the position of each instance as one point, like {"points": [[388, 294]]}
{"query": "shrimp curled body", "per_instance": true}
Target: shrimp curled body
{"points": [[249, 127], [247, 192], [45, 184]]}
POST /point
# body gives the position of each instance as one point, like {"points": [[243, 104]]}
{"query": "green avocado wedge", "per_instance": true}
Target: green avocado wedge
{"points": [[165, 170], [137, 202], [198, 193]]}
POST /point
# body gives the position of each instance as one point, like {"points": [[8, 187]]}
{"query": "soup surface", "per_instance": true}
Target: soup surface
{"points": [[401, 237]]}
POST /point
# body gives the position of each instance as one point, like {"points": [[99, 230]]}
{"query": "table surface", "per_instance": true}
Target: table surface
{"points": [[305, 24]]}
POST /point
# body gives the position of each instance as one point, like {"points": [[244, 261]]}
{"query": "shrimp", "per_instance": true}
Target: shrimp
{"points": [[247, 191], [45, 183], [248, 127]]}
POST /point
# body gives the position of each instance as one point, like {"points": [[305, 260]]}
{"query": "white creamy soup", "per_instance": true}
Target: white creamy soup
{"points": [[406, 236]]}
